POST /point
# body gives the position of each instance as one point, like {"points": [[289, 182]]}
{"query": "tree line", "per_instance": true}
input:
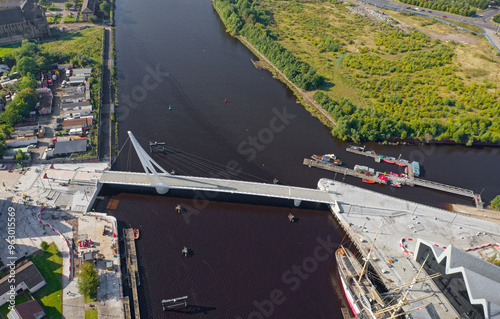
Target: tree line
{"points": [[463, 8]]}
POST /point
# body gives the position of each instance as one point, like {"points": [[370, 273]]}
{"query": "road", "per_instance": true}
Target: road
{"points": [[106, 99], [481, 20]]}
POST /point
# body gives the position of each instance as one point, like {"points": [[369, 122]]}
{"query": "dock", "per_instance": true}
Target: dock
{"points": [[132, 267], [126, 307], [410, 180], [379, 157], [342, 170]]}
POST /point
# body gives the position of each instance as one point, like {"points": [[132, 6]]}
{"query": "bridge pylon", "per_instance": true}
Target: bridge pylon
{"points": [[149, 165]]}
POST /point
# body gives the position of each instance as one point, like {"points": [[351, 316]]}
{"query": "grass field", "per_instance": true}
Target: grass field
{"points": [[49, 263], [4, 309], [87, 42], [91, 313], [8, 48], [407, 69]]}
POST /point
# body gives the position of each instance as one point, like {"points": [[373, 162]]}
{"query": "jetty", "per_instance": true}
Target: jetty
{"points": [[342, 170], [407, 179], [132, 268]]}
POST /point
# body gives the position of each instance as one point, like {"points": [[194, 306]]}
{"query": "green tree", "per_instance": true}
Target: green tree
{"points": [[105, 7], [26, 82], [496, 18], [68, 5], [93, 19], [27, 65], [495, 203], [88, 279], [19, 156], [44, 245]]}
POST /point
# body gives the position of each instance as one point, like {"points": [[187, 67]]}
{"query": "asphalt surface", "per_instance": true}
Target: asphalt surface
{"points": [[105, 126], [481, 20]]}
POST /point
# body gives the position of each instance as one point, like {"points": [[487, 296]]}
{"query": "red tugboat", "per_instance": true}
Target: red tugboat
{"points": [[136, 233]]}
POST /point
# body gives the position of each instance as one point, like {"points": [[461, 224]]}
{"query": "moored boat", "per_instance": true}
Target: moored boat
{"points": [[136, 233], [361, 294], [327, 158], [416, 168], [369, 181], [396, 184]]}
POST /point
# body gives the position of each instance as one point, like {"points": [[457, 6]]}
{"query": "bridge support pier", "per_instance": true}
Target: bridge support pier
{"points": [[297, 202], [161, 190]]}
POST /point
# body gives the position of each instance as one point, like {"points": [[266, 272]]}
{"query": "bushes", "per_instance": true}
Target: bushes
{"points": [[495, 203]]}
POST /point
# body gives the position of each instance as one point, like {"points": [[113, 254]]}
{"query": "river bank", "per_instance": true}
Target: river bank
{"points": [[363, 91]]}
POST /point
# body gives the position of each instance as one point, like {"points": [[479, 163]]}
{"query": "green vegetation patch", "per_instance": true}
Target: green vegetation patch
{"points": [[49, 263], [4, 309], [91, 313], [69, 19], [462, 7], [6, 49], [381, 80]]}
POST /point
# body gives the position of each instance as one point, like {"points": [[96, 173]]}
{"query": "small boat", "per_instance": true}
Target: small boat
{"points": [[357, 148], [396, 184], [185, 251], [369, 181], [327, 158], [291, 218], [416, 168], [389, 160], [136, 233], [393, 174]]}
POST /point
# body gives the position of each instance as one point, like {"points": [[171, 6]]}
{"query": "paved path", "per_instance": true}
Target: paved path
{"points": [[105, 127]]}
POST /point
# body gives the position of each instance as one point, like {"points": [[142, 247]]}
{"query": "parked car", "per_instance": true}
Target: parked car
{"points": [[2, 166], [445, 17], [59, 128], [59, 120]]}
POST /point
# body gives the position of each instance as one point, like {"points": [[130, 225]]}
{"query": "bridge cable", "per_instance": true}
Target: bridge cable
{"points": [[210, 165], [119, 152]]}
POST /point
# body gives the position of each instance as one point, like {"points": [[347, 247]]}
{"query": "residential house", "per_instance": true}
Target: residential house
{"points": [[27, 310], [84, 122], [27, 278], [45, 107]]}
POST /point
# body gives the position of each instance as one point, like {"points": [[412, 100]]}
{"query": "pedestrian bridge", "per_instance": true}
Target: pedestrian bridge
{"points": [[297, 194], [163, 181]]}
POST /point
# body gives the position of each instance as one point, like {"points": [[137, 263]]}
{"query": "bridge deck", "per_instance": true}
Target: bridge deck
{"points": [[220, 185]]}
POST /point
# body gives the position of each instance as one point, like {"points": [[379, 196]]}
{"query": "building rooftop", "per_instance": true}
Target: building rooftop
{"points": [[402, 224], [74, 146], [28, 310], [482, 279], [27, 273], [11, 15], [84, 121]]}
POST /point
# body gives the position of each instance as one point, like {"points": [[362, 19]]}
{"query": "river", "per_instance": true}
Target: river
{"points": [[176, 68]]}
